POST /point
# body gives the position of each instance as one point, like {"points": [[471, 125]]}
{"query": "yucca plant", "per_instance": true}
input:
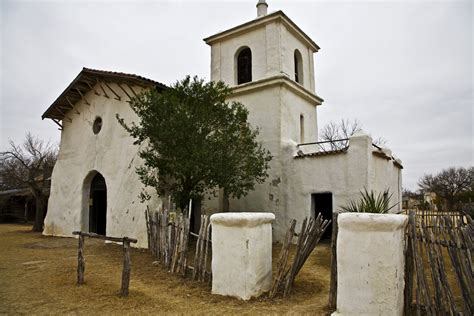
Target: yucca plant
{"points": [[370, 202]]}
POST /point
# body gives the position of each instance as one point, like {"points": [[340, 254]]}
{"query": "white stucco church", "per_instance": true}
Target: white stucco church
{"points": [[269, 64]]}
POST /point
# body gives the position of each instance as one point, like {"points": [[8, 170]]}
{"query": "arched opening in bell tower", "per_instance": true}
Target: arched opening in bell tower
{"points": [[298, 67], [244, 65]]}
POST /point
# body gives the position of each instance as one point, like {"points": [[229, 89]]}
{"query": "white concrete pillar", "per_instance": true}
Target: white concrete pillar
{"points": [[241, 254], [370, 264]]}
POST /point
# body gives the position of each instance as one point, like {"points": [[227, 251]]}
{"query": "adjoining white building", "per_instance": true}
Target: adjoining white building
{"points": [[269, 63]]}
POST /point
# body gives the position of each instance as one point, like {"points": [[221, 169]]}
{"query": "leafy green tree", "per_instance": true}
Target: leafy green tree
{"points": [[193, 142], [450, 184]]}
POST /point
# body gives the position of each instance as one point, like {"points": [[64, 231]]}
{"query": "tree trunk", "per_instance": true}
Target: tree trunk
{"points": [[225, 202], [40, 201]]}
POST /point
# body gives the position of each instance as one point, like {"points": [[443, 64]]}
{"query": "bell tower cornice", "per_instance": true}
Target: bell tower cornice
{"points": [[277, 16], [278, 80]]}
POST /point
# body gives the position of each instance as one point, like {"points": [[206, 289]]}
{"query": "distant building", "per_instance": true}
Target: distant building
{"points": [[269, 64], [433, 202], [18, 205]]}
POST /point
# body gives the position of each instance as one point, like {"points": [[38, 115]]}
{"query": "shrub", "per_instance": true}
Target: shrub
{"points": [[370, 202]]}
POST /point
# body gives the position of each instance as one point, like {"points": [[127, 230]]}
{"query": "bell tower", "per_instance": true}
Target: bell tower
{"points": [[270, 51], [268, 62]]}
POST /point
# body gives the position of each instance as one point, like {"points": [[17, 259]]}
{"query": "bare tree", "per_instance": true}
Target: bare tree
{"points": [[29, 165], [449, 184], [337, 134]]}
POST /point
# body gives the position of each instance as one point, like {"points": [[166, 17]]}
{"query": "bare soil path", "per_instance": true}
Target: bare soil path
{"points": [[38, 274]]}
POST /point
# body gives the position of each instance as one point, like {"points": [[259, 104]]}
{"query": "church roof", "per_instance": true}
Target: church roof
{"points": [[300, 154], [85, 81], [278, 15]]}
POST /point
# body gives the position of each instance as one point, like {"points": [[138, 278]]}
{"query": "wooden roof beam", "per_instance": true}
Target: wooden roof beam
{"points": [[124, 91], [70, 103], [92, 88], [57, 123], [101, 87], [61, 112], [117, 97], [131, 89], [82, 96]]}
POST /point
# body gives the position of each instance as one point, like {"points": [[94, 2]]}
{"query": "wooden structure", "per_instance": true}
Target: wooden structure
{"points": [[310, 234], [431, 217], [100, 82], [333, 281], [127, 263], [168, 240], [439, 267], [18, 205]]}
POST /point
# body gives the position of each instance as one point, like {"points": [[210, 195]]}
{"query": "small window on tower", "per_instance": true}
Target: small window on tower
{"points": [[298, 67], [244, 66], [301, 129]]}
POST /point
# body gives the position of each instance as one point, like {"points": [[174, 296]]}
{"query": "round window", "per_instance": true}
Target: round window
{"points": [[97, 126]]}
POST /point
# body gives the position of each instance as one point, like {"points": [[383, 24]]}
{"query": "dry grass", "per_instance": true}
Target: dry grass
{"points": [[38, 274]]}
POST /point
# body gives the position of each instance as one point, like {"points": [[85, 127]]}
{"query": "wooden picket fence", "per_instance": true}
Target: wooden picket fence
{"points": [[439, 275], [169, 238], [308, 238], [430, 217]]}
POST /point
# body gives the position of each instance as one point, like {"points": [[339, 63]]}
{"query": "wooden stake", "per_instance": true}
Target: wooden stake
{"points": [[408, 291], [285, 248], [207, 241], [333, 284], [81, 263], [126, 268]]}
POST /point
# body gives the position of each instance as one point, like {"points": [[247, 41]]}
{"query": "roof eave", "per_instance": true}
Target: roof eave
{"points": [[109, 75]]}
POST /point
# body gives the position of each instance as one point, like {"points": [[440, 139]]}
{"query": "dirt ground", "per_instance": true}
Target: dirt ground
{"points": [[38, 275]]}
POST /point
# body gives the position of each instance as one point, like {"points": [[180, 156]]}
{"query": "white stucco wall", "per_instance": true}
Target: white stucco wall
{"points": [[292, 106], [287, 192], [385, 175], [370, 264], [241, 254], [288, 45], [275, 108], [223, 56], [272, 47], [111, 153], [343, 174]]}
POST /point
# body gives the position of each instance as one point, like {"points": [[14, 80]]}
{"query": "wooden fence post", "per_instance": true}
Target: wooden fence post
{"points": [[333, 283], [409, 270], [126, 268], [81, 263]]}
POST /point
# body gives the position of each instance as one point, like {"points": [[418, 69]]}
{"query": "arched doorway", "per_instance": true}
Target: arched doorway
{"points": [[98, 205]]}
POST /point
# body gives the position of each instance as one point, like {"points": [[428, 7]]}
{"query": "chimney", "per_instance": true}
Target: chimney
{"points": [[261, 8]]}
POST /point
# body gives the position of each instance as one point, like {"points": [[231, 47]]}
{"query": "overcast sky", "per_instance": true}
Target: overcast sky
{"points": [[404, 69]]}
